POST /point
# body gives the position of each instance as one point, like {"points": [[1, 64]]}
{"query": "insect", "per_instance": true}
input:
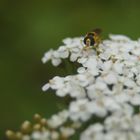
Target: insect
{"points": [[92, 39]]}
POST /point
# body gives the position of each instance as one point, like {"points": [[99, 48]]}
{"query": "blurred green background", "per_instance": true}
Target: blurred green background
{"points": [[29, 28]]}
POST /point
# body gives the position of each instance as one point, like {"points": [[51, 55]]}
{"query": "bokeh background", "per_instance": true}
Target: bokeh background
{"points": [[28, 28]]}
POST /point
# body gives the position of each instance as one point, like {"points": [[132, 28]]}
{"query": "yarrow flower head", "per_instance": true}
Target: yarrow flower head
{"points": [[104, 92], [105, 86]]}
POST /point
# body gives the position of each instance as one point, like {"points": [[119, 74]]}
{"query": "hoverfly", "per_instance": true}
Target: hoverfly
{"points": [[92, 39]]}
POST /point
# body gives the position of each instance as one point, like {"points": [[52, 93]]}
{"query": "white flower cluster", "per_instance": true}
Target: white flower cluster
{"points": [[106, 86], [51, 129], [115, 127], [42, 135], [71, 47], [50, 134], [58, 119]]}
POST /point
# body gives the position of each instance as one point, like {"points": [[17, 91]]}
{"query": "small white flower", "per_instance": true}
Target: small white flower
{"points": [[136, 51], [81, 70], [57, 120], [56, 82], [76, 90], [110, 78], [46, 87], [52, 55], [67, 131], [107, 66], [100, 85], [56, 61], [67, 41], [26, 137], [47, 56], [82, 60], [36, 135], [79, 110], [93, 132], [135, 100], [54, 135], [119, 38], [97, 107], [118, 67], [129, 83]]}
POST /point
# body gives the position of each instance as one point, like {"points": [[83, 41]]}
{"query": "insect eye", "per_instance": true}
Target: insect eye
{"points": [[91, 40]]}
